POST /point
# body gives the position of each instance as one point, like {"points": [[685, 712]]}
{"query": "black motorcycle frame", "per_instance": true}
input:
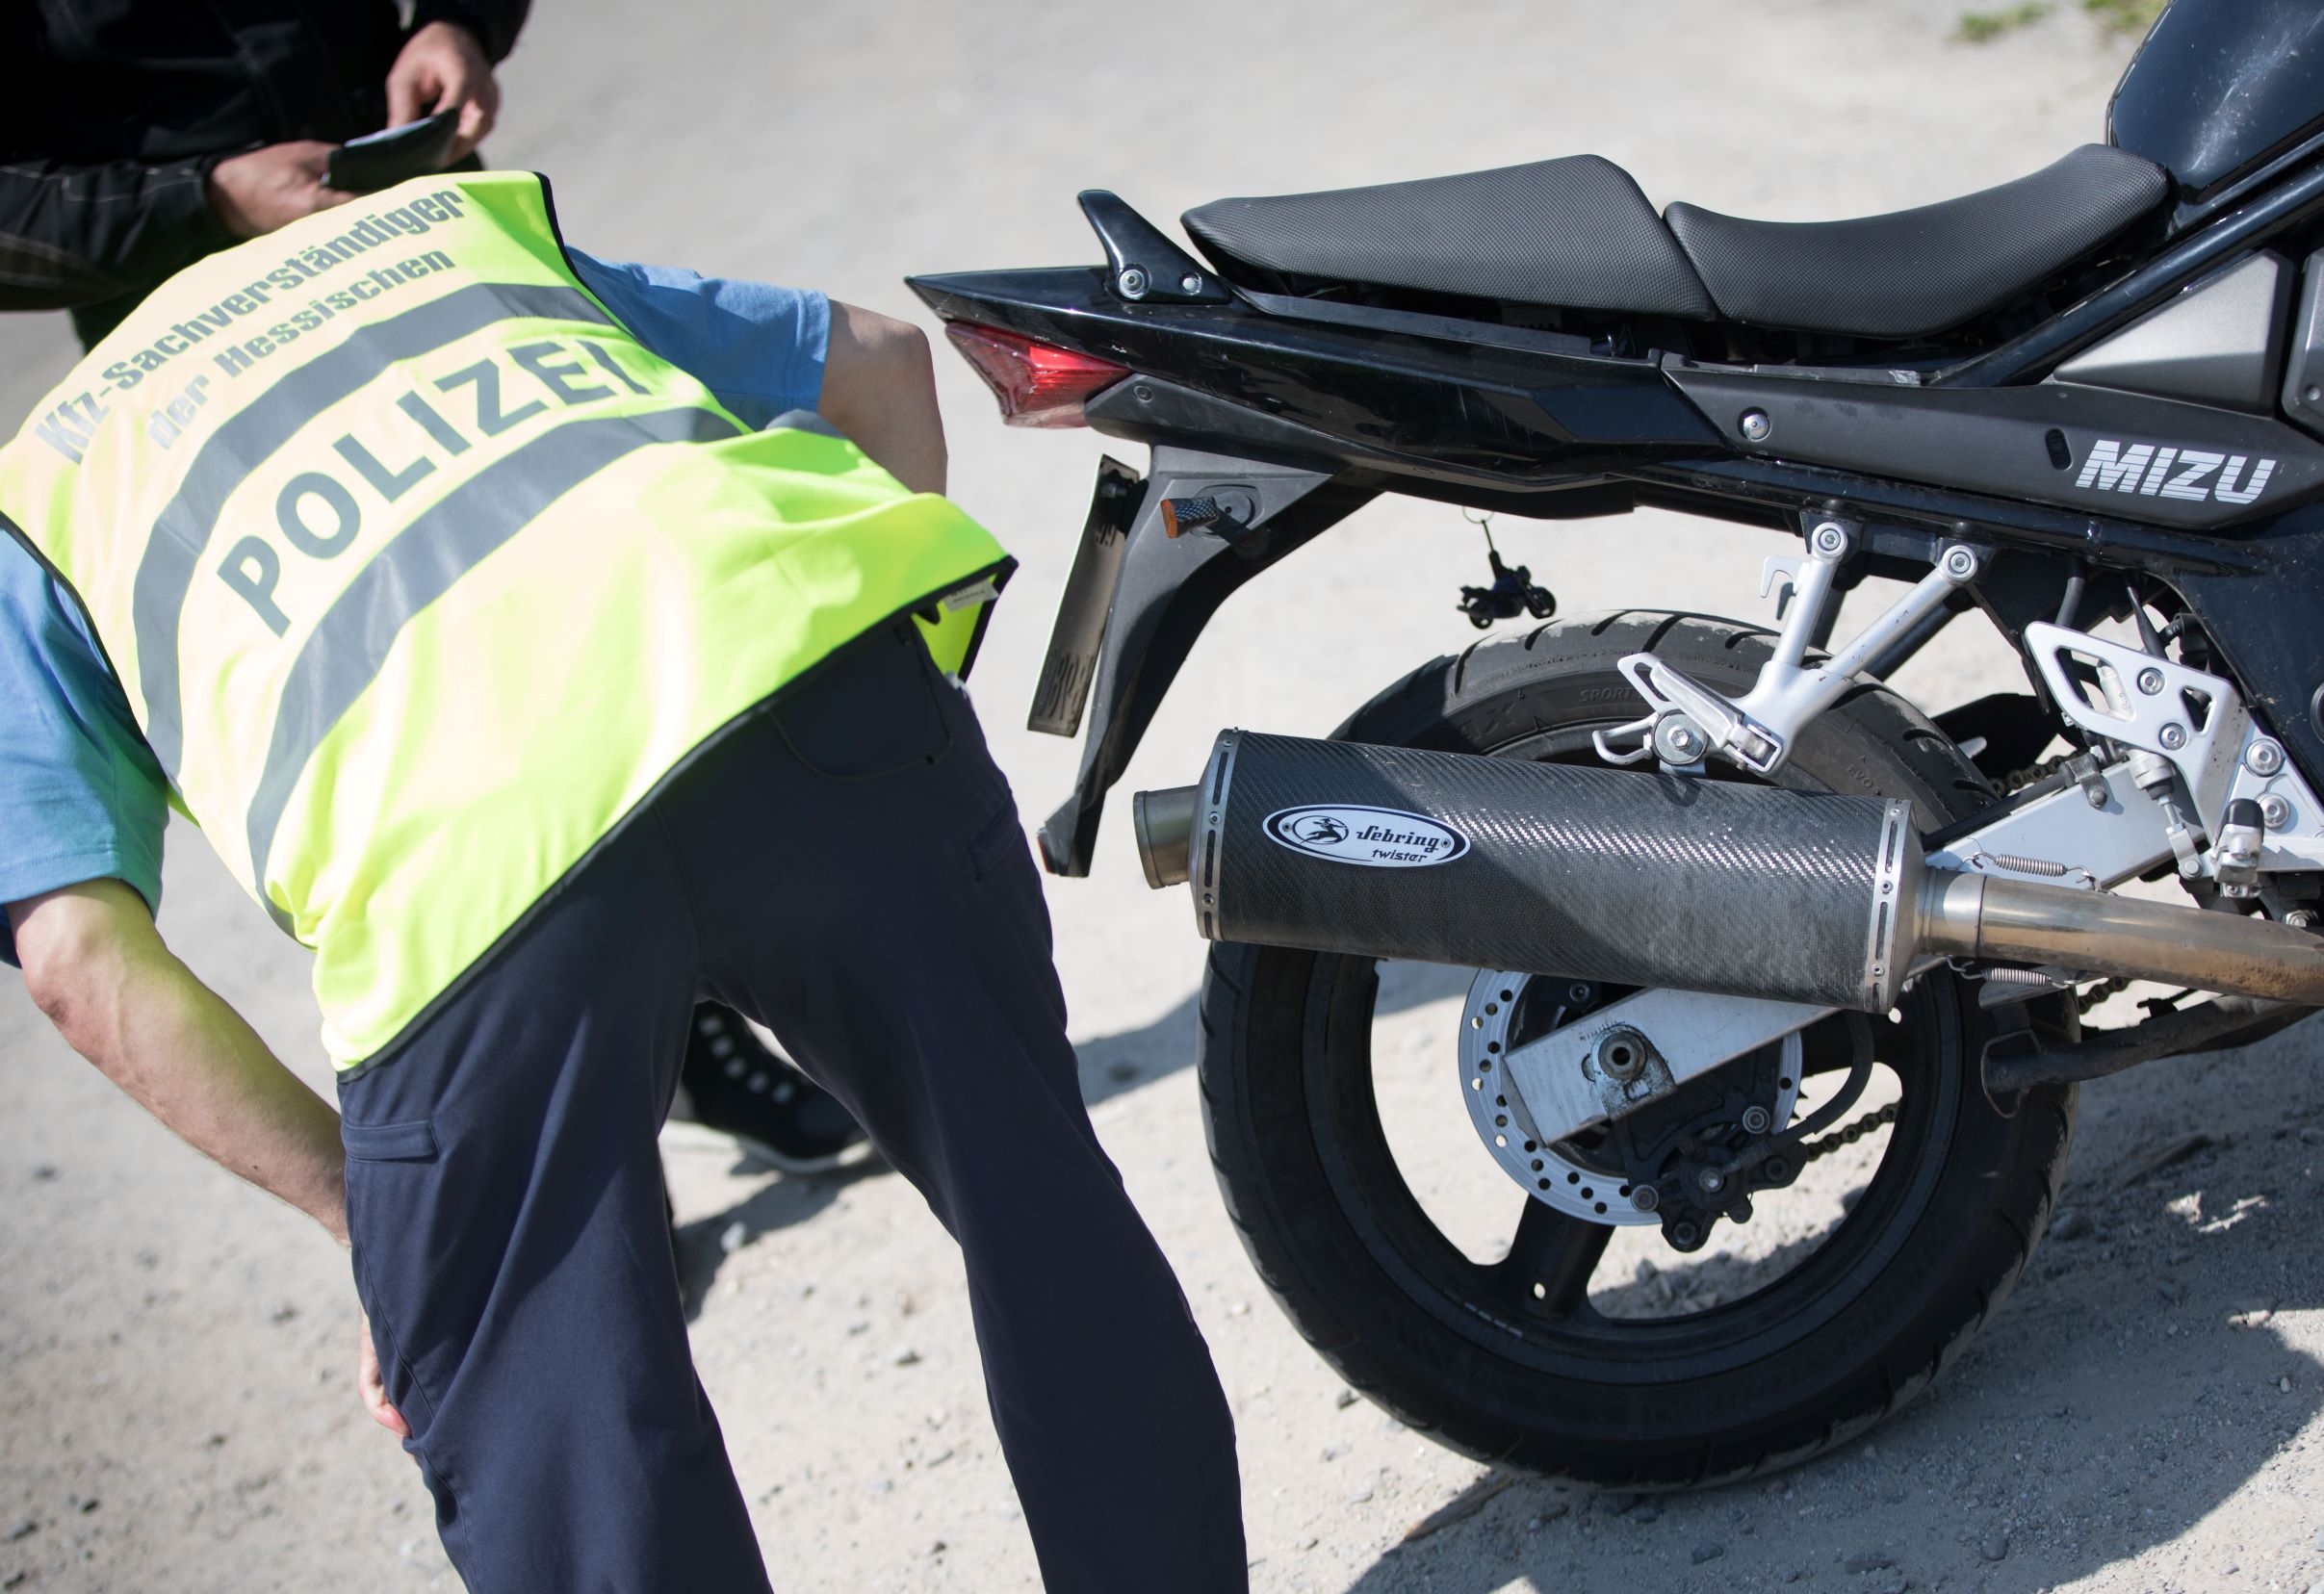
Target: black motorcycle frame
{"points": [[1310, 407]]}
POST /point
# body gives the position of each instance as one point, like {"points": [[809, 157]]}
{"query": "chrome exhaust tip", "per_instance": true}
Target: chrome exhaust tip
{"points": [[1165, 824]]}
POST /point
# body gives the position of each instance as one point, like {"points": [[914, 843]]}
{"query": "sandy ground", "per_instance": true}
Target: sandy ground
{"points": [[175, 1401]]}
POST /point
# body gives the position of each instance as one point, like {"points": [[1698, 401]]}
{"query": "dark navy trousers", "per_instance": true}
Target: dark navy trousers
{"points": [[846, 867]]}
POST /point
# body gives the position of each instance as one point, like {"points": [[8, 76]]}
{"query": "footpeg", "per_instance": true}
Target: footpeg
{"points": [[1711, 723], [1756, 730]]}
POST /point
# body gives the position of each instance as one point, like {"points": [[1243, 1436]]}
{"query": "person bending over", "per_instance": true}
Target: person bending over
{"points": [[552, 646]]}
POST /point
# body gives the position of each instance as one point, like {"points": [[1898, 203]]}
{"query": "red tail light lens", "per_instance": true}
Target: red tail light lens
{"points": [[1037, 384]]}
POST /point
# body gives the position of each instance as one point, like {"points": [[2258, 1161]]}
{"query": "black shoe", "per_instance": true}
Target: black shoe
{"points": [[739, 1087]]}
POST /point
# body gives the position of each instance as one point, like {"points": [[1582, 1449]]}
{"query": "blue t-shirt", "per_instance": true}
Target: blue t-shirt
{"points": [[81, 795]]}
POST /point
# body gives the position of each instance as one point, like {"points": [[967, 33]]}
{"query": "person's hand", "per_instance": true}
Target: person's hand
{"points": [[443, 67], [273, 187], [373, 1388]]}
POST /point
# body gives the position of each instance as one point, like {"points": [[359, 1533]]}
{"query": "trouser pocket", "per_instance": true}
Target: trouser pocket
{"points": [[388, 1168], [869, 712], [412, 1142]]}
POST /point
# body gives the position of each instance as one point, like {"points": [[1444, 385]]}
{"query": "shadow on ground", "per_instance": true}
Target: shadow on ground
{"points": [[1115, 1063], [2132, 1383], [704, 1245], [1110, 1065]]}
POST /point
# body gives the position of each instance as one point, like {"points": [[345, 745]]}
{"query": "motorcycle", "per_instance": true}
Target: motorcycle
{"points": [[1730, 903]]}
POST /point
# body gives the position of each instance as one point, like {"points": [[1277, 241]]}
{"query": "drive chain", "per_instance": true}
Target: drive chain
{"points": [[1849, 1136], [2018, 780]]}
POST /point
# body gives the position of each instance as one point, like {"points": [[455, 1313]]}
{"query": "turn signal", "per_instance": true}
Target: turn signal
{"points": [[1037, 384]]}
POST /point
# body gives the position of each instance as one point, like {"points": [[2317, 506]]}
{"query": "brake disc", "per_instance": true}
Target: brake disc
{"points": [[1504, 1009]]}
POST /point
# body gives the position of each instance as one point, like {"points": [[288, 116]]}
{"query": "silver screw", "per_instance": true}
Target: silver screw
{"points": [[2149, 680], [2174, 736], [1756, 425], [1645, 1197], [1132, 282], [2275, 810], [1960, 564], [1829, 540], [1190, 284], [1682, 740], [1755, 1120], [2263, 756]]}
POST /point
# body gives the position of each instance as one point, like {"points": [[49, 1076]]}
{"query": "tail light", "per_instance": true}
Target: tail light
{"points": [[1037, 384]]}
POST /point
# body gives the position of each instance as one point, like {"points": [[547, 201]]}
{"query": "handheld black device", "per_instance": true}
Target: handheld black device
{"points": [[382, 160]]}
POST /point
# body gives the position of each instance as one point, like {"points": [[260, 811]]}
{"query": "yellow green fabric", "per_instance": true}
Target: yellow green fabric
{"points": [[420, 572]]}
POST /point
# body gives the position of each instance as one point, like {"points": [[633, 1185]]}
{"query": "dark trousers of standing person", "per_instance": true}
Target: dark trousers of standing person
{"points": [[846, 867]]}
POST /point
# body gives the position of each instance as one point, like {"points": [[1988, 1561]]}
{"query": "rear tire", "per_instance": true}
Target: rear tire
{"points": [[1920, 1262]]}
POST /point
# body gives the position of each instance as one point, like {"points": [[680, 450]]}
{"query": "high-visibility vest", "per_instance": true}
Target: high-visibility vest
{"points": [[420, 573]]}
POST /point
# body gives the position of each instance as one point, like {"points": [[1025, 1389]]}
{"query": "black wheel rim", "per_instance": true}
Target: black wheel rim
{"points": [[1533, 1307]]}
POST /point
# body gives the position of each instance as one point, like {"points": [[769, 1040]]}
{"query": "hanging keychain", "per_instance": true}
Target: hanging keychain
{"points": [[1512, 592]]}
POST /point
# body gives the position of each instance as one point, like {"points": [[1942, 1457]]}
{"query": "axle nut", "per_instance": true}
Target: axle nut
{"points": [[1622, 1054]]}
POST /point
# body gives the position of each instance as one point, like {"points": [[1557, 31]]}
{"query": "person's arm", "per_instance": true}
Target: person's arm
{"points": [[82, 810], [764, 350], [73, 235], [95, 965], [447, 65], [495, 23]]}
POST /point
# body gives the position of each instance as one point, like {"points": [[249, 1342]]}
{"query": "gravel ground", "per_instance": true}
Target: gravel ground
{"points": [[175, 1353]]}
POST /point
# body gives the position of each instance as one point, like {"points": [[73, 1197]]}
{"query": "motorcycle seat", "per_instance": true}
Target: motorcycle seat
{"points": [[1915, 272], [1577, 233], [1574, 232]]}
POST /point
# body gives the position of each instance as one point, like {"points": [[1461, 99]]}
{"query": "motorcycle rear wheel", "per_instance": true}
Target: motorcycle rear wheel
{"points": [[1512, 1361]]}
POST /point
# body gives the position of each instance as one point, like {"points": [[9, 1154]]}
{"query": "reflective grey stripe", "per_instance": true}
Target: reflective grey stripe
{"points": [[182, 532], [351, 645]]}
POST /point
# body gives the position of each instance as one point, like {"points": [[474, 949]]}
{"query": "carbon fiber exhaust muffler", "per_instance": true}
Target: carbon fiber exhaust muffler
{"points": [[1643, 880]]}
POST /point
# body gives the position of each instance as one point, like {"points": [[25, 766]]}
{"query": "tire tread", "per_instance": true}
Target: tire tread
{"points": [[2025, 1193]]}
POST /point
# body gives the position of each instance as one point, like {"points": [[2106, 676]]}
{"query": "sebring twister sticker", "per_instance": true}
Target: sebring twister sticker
{"points": [[1377, 838]]}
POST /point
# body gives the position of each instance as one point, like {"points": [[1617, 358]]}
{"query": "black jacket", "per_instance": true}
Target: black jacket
{"points": [[113, 112]]}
